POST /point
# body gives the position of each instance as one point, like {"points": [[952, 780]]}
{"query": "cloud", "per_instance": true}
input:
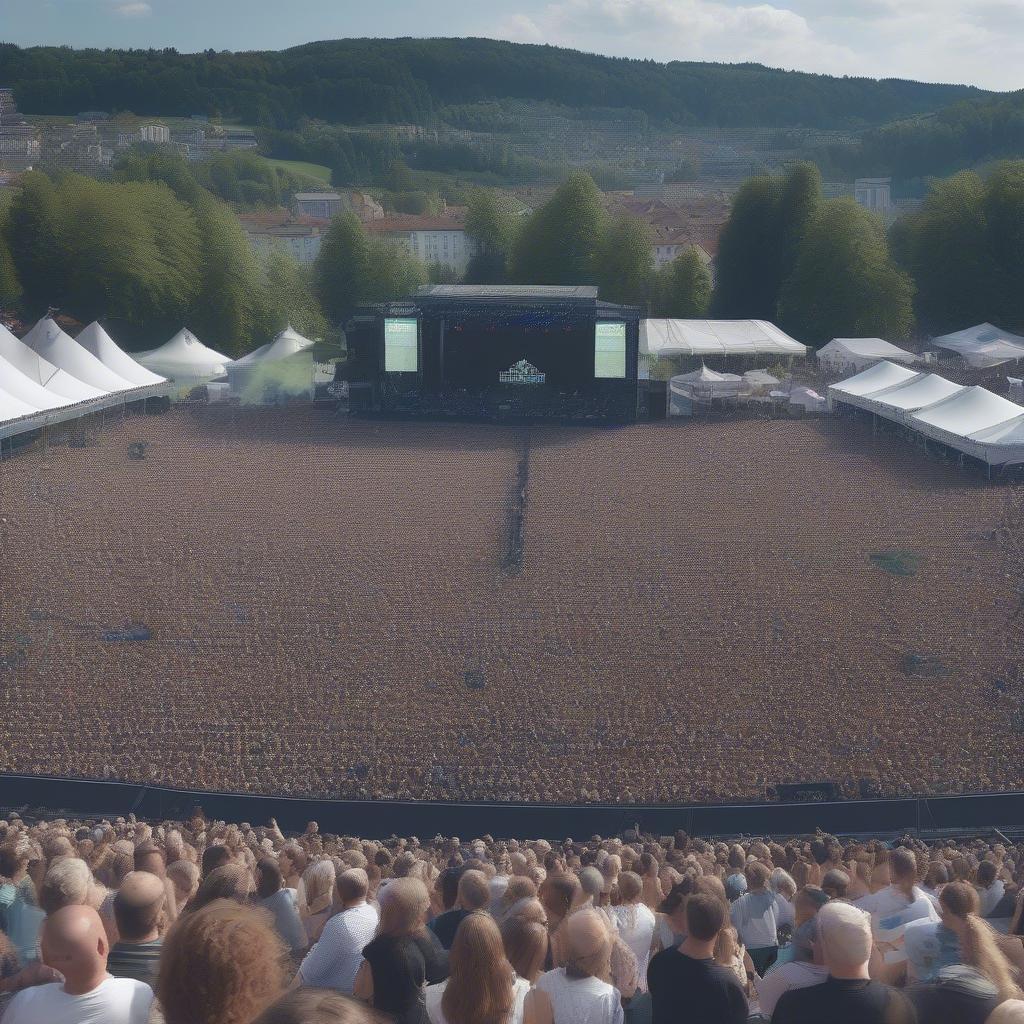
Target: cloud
{"points": [[978, 41], [133, 10]]}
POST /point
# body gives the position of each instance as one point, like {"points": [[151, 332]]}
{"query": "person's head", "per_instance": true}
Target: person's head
{"points": [[782, 883], [757, 876], [526, 946], [631, 887], [959, 902], [986, 873], [557, 894], [67, 883], [268, 877], [149, 857], [184, 876], [138, 906], [705, 917], [292, 860], [835, 883], [73, 941], [844, 932], [318, 880], [404, 903], [589, 946], [318, 1006], [937, 875], [674, 904], [228, 882], [807, 902], [592, 883], [903, 867], [479, 989], [474, 892], [448, 886], [353, 885], [222, 964], [1009, 1012], [214, 857]]}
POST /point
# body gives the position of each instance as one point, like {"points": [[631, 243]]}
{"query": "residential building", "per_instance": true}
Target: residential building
{"points": [[440, 240], [874, 194], [324, 205], [158, 133], [299, 238]]}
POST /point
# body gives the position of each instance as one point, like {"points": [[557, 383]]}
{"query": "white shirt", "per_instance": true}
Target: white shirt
{"points": [[433, 994], [636, 928], [113, 1001], [989, 898], [754, 916], [785, 911], [580, 1000], [780, 980], [334, 961], [891, 911]]}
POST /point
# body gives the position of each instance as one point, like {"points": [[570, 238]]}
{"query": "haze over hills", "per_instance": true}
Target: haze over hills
{"points": [[434, 81]]}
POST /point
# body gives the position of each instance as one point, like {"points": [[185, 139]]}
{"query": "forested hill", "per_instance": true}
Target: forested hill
{"points": [[361, 81]]}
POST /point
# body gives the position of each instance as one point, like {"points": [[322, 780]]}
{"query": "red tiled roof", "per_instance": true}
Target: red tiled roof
{"points": [[414, 222]]}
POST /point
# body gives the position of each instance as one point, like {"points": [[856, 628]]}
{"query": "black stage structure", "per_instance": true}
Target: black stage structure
{"points": [[496, 352]]}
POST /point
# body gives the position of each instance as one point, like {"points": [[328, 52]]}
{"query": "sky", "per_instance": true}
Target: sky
{"points": [[979, 42]]}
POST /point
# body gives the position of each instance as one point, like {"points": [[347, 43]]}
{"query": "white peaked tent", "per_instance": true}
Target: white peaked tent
{"points": [[184, 357], [716, 338], [875, 378], [12, 408], [700, 386], [50, 342], [968, 412], [95, 340], [42, 372], [26, 390], [983, 346], [258, 370], [901, 401], [846, 354]]}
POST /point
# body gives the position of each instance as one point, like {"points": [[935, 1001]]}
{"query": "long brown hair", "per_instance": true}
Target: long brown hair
{"points": [[977, 943], [479, 989]]}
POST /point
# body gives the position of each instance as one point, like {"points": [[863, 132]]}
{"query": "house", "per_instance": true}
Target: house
{"points": [[327, 205], [298, 237], [158, 133], [434, 240]]}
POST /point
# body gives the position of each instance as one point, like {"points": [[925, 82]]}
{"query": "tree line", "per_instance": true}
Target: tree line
{"points": [[365, 81]]}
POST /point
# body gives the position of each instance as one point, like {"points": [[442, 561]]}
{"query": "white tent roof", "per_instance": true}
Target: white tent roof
{"points": [[983, 345], [184, 356], [967, 412], [12, 408], [875, 378], [862, 350], [95, 340], [716, 337], [42, 372], [47, 339], [761, 378], [920, 392], [704, 376], [26, 390]]}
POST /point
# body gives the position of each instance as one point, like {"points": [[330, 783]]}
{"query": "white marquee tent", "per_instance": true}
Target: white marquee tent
{"points": [[716, 338], [983, 345], [898, 402], [875, 378], [42, 372], [184, 357], [95, 340], [285, 364], [50, 342], [851, 354], [16, 383], [966, 413]]}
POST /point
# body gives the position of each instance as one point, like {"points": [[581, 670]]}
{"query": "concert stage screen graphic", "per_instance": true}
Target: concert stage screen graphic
{"points": [[610, 350], [401, 346]]}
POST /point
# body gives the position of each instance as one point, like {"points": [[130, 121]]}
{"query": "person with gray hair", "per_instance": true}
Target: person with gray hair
{"points": [[68, 883], [335, 959], [806, 968], [847, 995]]}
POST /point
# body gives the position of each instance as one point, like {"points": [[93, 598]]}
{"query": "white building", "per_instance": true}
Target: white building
{"points": [[874, 194], [439, 240], [300, 241], [159, 133]]}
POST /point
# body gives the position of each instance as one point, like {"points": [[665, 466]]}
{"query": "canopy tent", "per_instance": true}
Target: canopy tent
{"points": [[26, 390], [967, 412], [285, 366], [184, 357], [897, 402], [874, 378], [42, 372], [859, 353], [701, 385], [716, 338], [1002, 444], [759, 379], [983, 346], [13, 408], [50, 342], [95, 340]]}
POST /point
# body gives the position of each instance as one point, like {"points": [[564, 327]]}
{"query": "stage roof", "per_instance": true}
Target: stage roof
{"points": [[529, 292]]}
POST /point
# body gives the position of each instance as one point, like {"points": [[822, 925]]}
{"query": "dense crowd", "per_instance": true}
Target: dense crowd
{"points": [[204, 922], [328, 614]]}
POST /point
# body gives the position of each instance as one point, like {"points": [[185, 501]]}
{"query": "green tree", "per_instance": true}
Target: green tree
{"points": [[684, 287], [492, 230], [35, 241], [625, 262], [845, 283], [288, 298], [388, 272], [340, 267], [561, 242], [761, 241]]}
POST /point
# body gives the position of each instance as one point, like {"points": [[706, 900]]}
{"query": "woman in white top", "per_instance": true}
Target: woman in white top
{"points": [[635, 922], [579, 992], [482, 987]]}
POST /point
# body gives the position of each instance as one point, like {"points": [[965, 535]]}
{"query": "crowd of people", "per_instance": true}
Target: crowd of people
{"points": [[205, 922]]}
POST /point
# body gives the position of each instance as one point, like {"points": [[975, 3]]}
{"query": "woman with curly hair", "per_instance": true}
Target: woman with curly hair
{"points": [[221, 964]]}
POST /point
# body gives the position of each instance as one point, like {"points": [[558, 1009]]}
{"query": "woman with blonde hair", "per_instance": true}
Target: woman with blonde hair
{"points": [[404, 956], [318, 883], [526, 946], [482, 986], [184, 876], [635, 922]]}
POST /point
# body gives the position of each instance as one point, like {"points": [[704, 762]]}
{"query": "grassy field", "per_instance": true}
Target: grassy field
{"points": [[300, 167]]}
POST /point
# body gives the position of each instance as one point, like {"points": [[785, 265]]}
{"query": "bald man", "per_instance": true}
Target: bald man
{"points": [[74, 943], [137, 909]]}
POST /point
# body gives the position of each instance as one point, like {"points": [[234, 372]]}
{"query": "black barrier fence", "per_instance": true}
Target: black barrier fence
{"points": [[426, 819]]}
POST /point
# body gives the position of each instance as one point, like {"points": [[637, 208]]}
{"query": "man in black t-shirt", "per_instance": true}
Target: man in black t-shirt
{"points": [[848, 995], [686, 985], [474, 894]]}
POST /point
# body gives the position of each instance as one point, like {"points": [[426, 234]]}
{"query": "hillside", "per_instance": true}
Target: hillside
{"points": [[364, 81]]}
